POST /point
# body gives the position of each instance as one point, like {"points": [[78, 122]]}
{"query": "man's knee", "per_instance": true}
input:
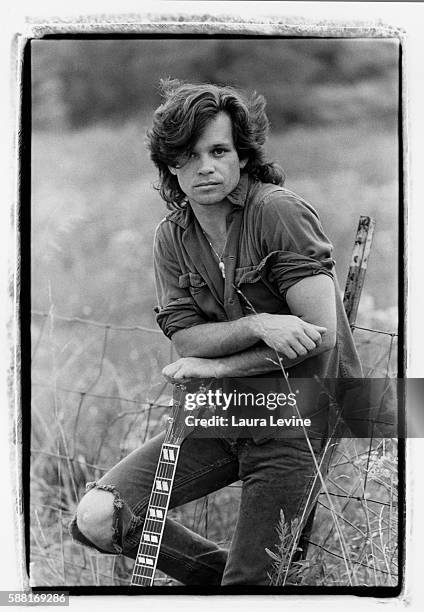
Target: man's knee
{"points": [[95, 518]]}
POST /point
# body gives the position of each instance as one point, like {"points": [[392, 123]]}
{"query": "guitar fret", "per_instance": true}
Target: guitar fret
{"points": [[146, 560], [152, 527], [168, 465], [143, 557], [146, 572], [160, 500], [156, 512], [148, 549], [147, 576], [150, 537], [162, 484], [165, 470], [142, 580], [169, 453]]}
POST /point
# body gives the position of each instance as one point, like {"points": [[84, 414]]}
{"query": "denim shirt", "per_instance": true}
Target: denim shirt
{"points": [[274, 239]]}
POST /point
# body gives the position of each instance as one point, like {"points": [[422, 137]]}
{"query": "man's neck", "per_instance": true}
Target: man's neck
{"points": [[212, 218]]}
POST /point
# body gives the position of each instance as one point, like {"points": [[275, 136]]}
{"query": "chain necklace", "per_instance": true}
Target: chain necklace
{"points": [[221, 264]]}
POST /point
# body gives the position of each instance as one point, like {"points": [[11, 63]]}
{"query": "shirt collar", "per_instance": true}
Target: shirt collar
{"points": [[237, 197]]}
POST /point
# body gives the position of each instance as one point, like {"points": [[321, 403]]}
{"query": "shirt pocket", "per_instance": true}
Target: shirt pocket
{"points": [[193, 282], [256, 293], [248, 274]]}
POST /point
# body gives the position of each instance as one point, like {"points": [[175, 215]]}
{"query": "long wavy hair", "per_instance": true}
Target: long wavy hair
{"points": [[182, 117]]}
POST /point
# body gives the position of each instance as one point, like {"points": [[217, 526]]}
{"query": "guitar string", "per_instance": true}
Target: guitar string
{"points": [[150, 526], [161, 473], [167, 471], [164, 471]]}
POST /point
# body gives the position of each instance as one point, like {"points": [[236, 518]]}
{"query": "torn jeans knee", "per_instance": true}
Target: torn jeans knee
{"points": [[124, 523]]}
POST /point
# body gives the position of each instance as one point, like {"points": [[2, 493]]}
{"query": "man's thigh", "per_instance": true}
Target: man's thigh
{"points": [[204, 465], [278, 475]]}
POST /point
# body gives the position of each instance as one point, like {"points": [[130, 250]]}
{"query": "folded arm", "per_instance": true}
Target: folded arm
{"points": [[252, 345]]}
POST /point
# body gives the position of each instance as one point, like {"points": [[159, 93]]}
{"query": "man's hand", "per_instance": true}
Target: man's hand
{"points": [[191, 367], [288, 334]]}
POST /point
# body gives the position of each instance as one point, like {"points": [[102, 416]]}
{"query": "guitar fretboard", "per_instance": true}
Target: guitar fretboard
{"points": [[154, 522]]}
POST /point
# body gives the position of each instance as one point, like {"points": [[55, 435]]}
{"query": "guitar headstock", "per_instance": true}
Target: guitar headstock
{"points": [[177, 428]]}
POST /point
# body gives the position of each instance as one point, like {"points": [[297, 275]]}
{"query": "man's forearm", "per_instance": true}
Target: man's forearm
{"points": [[252, 361], [259, 360], [288, 334], [216, 339]]}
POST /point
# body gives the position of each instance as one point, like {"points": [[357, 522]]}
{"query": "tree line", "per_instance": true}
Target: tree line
{"points": [[78, 82]]}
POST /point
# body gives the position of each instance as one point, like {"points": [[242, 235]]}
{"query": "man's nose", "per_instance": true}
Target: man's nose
{"points": [[205, 165]]}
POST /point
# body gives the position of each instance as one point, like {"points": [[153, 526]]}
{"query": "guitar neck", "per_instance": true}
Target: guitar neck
{"points": [[154, 523]]}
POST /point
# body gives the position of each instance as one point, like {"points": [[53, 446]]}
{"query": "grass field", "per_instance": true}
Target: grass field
{"points": [[93, 216]]}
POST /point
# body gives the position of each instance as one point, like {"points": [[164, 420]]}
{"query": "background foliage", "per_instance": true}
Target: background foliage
{"points": [[308, 82]]}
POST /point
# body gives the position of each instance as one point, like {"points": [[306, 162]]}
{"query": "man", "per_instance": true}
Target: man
{"points": [[245, 287]]}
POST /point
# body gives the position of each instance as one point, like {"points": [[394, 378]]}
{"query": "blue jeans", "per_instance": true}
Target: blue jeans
{"points": [[276, 475]]}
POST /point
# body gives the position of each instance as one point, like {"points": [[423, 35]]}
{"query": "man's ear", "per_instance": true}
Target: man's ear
{"points": [[243, 163], [172, 170]]}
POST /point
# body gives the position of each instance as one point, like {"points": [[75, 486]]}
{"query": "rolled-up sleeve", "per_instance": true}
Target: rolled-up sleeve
{"points": [[292, 241], [176, 309]]}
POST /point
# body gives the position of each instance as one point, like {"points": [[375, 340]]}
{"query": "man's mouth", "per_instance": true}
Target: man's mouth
{"points": [[208, 184]]}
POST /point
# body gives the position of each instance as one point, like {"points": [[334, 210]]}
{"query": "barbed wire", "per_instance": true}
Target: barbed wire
{"points": [[95, 323]]}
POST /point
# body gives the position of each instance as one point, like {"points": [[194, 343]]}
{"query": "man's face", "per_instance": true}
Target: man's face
{"points": [[213, 168]]}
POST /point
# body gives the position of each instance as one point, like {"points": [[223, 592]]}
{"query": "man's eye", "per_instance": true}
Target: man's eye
{"points": [[218, 152]]}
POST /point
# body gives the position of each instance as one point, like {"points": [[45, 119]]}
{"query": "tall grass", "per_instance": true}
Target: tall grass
{"points": [[88, 414], [362, 483]]}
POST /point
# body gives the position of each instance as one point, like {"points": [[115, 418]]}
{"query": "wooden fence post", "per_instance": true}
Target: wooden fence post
{"points": [[358, 267], [352, 295]]}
